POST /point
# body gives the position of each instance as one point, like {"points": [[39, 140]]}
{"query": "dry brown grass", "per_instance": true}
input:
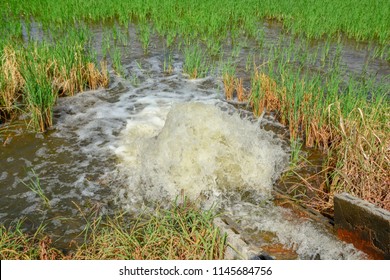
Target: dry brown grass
{"points": [[11, 82], [241, 92], [228, 83], [362, 158], [356, 148], [182, 232], [268, 97], [17, 245], [70, 82]]}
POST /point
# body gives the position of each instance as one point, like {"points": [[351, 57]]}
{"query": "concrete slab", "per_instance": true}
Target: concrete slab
{"points": [[362, 224]]}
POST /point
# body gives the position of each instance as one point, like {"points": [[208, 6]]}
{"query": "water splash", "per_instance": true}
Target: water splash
{"points": [[200, 149]]}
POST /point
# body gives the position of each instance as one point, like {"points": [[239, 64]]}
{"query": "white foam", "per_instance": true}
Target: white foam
{"points": [[308, 239], [200, 148]]}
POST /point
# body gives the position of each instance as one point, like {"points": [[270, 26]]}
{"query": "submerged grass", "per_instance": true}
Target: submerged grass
{"points": [[35, 186], [181, 232]]}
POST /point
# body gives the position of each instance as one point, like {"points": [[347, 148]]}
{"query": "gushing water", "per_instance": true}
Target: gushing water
{"points": [[200, 149]]}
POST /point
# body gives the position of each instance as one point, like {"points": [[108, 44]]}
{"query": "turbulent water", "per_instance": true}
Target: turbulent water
{"points": [[199, 149], [149, 139]]}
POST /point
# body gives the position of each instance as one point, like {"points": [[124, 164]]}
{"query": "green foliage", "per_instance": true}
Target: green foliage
{"points": [[195, 64], [360, 20]]}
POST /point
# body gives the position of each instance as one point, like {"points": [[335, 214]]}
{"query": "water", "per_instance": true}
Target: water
{"points": [[134, 144], [198, 149]]}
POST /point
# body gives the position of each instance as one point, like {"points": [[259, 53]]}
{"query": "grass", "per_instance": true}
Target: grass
{"points": [[144, 35], [33, 76], [181, 232], [195, 64], [15, 244], [117, 62], [351, 128], [168, 63], [35, 187]]}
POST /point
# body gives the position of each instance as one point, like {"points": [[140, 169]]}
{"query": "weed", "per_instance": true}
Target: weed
{"points": [[35, 187]]}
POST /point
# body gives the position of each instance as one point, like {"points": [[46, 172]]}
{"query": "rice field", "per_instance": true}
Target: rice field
{"points": [[301, 77]]}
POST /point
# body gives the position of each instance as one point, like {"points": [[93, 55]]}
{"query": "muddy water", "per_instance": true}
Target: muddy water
{"points": [[152, 136]]}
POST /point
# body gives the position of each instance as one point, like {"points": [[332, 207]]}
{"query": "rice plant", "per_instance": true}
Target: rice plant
{"points": [[117, 62], [11, 82], [350, 127], [144, 35], [40, 95], [168, 63], [195, 64]]}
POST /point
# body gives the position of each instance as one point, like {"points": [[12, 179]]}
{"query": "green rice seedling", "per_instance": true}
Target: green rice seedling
{"points": [[134, 80], [123, 38], [40, 95], [213, 47], [195, 62], [117, 62], [361, 22], [144, 36], [170, 38], [250, 62], [168, 63], [295, 148], [105, 45]]}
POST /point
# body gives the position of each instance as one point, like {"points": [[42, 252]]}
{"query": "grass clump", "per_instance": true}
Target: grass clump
{"points": [[182, 232], [15, 244], [11, 83], [348, 125], [35, 187], [195, 64], [33, 76]]}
